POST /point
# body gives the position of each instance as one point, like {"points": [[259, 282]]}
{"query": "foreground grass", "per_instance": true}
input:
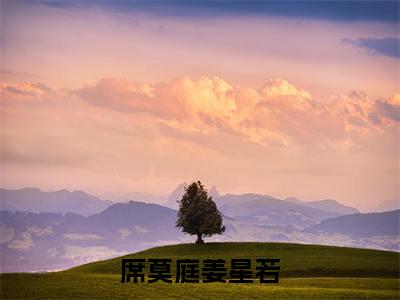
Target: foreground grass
{"points": [[307, 272], [72, 286]]}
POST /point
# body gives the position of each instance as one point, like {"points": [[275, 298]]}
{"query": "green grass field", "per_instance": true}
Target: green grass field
{"points": [[307, 271]]}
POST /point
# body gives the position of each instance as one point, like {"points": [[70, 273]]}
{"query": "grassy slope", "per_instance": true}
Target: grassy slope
{"points": [[306, 271]]}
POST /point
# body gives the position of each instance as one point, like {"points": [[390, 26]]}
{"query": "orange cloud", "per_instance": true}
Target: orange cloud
{"points": [[279, 112], [278, 139], [26, 90]]}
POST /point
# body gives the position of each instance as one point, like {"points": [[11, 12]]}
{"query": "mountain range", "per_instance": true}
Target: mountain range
{"points": [[267, 210], [326, 205], [35, 200], [43, 241], [386, 205], [176, 195], [361, 225], [36, 237]]}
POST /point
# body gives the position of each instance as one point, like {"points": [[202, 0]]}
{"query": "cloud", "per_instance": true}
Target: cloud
{"points": [[278, 139], [162, 243], [87, 254], [23, 243], [40, 231], [141, 229], [389, 47], [277, 113], [25, 89], [280, 88], [124, 233], [390, 109], [181, 99], [52, 252], [82, 237], [245, 50], [6, 234]]}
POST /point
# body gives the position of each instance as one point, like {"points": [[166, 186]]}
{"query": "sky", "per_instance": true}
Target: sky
{"points": [[282, 98]]}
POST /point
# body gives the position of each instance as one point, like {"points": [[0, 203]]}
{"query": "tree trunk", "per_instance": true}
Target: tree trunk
{"points": [[199, 239]]}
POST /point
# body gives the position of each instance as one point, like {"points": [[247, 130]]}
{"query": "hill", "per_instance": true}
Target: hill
{"points": [[297, 260], [307, 272], [362, 225]]}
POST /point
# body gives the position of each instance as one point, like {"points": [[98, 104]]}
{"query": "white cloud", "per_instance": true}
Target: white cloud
{"points": [[24, 243], [141, 229], [87, 254], [40, 231], [52, 252], [6, 234], [82, 236], [162, 243], [124, 233]]}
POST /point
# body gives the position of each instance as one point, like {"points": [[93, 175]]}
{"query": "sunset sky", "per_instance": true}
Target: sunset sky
{"points": [[282, 98]]}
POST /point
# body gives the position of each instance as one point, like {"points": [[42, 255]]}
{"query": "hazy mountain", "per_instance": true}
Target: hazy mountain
{"points": [[43, 241], [180, 190], [153, 217], [294, 200], [35, 200], [333, 206], [143, 197], [213, 192], [176, 195], [267, 210], [232, 199], [49, 241], [362, 225], [326, 205], [389, 205]]}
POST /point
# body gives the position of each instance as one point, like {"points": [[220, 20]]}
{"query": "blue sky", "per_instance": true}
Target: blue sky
{"points": [[345, 11]]}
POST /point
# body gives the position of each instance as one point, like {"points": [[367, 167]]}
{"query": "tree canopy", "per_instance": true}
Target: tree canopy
{"points": [[198, 214]]}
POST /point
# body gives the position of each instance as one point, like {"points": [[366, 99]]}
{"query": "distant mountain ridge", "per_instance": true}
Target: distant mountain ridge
{"points": [[40, 241], [47, 241], [144, 197], [362, 224], [62, 201], [176, 195], [178, 192], [266, 210], [326, 205], [389, 205]]}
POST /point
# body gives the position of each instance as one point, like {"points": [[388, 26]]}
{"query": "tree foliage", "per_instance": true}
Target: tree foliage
{"points": [[198, 214]]}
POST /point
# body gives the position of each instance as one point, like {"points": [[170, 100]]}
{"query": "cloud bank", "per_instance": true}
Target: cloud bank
{"points": [[116, 136], [277, 113]]}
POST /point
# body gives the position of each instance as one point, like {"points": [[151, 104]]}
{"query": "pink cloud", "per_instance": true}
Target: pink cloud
{"points": [[116, 135], [25, 90], [279, 112]]}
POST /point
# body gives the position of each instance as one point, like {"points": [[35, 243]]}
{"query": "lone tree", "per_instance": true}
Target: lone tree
{"points": [[198, 214]]}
